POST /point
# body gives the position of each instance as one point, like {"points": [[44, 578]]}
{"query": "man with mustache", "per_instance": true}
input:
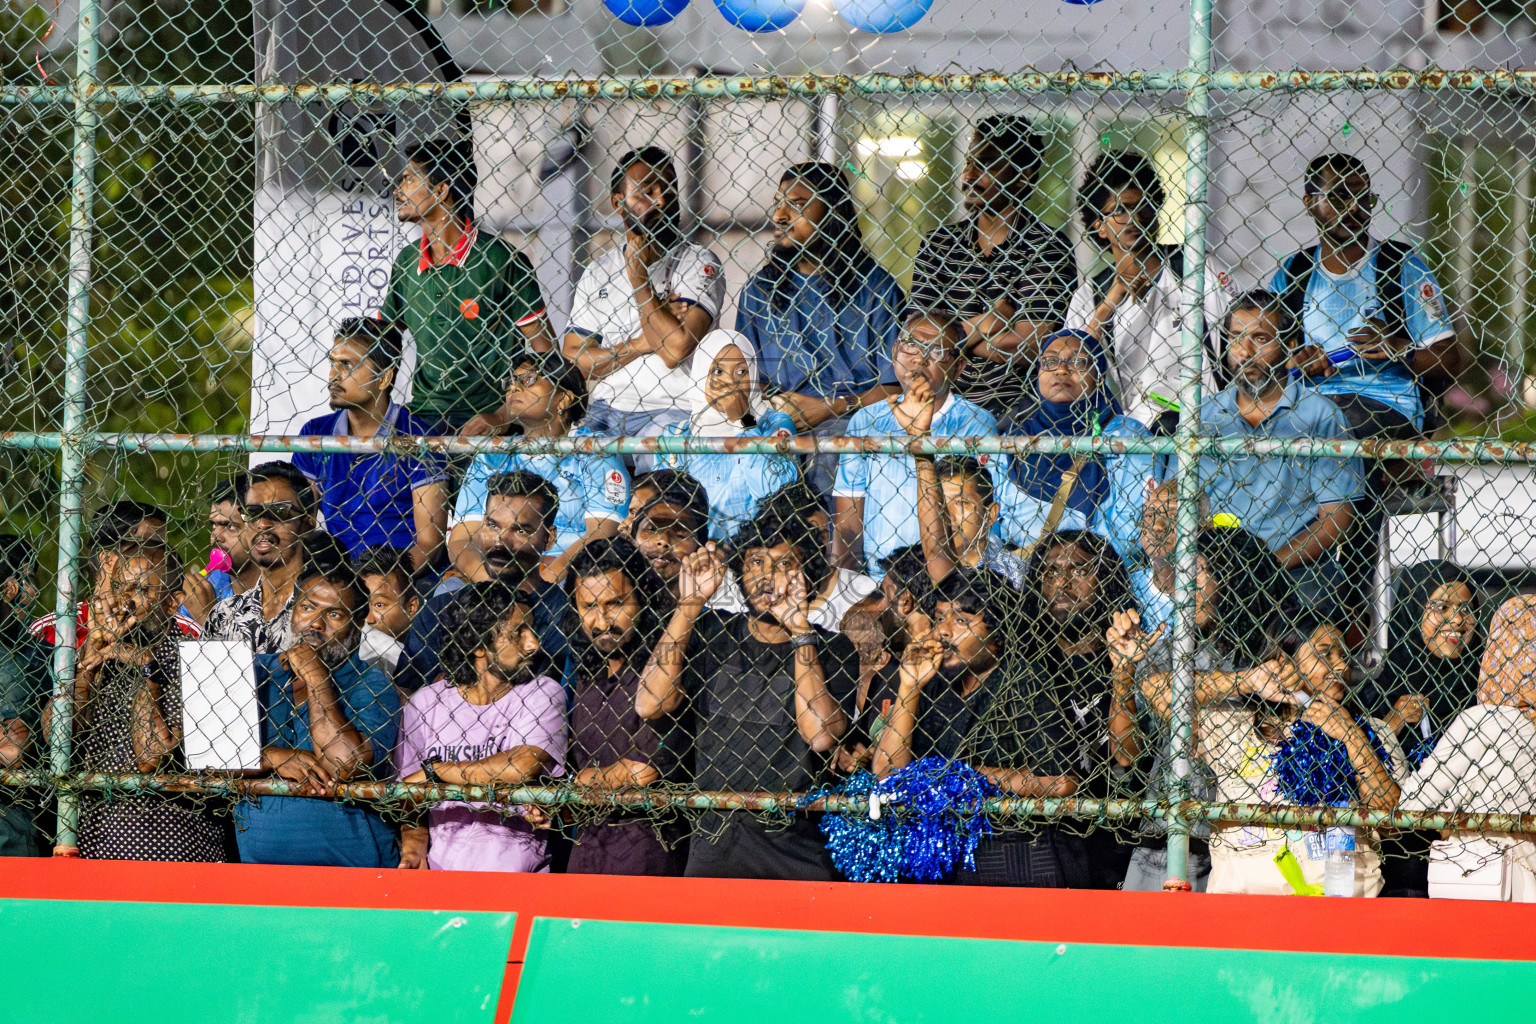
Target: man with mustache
{"points": [[618, 607], [277, 509], [326, 718], [671, 525], [128, 714], [377, 499], [821, 312], [1006, 276], [1300, 507], [771, 692], [641, 307], [517, 528], [203, 588], [963, 693]]}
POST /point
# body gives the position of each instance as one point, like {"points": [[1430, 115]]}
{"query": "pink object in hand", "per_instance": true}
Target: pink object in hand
{"points": [[218, 561]]}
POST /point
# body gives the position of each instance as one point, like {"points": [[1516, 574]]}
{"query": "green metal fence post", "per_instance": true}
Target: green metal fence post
{"points": [[73, 448], [1197, 148]]}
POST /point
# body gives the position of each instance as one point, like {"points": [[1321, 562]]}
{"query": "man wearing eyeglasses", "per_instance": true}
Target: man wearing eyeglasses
{"points": [[876, 494], [375, 499], [1373, 315], [277, 509]]}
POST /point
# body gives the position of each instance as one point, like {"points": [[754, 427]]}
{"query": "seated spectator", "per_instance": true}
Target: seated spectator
{"points": [[326, 718], [1298, 506], [960, 696], [821, 312], [122, 522], [618, 609], [641, 307], [25, 683], [1372, 313], [876, 494], [203, 589], [379, 498], [518, 525], [1103, 493], [643, 487], [1150, 565], [727, 403], [393, 602], [128, 715], [1481, 763], [494, 721], [546, 397], [1239, 587], [956, 510], [277, 510], [1135, 305], [1006, 276], [1239, 744], [470, 300], [770, 691], [671, 525]]}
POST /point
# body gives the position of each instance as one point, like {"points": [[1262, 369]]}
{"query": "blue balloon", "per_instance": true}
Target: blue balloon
{"points": [[645, 13], [760, 15], [883, 15]]}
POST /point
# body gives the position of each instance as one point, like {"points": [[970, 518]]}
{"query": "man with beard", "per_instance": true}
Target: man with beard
{"points": [[326, 718], [127, 715], [641, 307], [1004, 274], [1300, 507], [277, 509], [518, 527], [470, 300], [619, 607], [875, 499], [962, 693], [377, 499], [821, 312], [546, 397], [769, 690], [671, 525], [494, 721]]}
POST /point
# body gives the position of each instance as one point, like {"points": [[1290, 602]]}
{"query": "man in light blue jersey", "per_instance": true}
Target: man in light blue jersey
{"points": [[876, 494], [546, 396]]}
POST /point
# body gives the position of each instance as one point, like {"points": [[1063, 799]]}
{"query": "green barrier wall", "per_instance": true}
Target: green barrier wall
{"points": [[88, 962]]}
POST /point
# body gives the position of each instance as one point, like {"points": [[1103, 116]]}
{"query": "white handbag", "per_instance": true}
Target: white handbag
{"points": [[1470, 868]]}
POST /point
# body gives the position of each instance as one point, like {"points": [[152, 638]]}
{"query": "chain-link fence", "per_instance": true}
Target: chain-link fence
{"points": [[1053, 444]]}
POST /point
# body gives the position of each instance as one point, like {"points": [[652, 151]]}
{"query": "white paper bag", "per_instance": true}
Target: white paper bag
{"points": [[219, 717]]}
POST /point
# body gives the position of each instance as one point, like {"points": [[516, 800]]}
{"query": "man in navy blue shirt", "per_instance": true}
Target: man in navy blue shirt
{"points": [[375, 499], [822, 313]]}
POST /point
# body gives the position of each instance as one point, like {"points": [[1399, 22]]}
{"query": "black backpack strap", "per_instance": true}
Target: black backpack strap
{"points": [[1391, 257]]}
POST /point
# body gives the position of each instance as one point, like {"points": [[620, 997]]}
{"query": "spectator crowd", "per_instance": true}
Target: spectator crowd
{"points": [[761, 622]]}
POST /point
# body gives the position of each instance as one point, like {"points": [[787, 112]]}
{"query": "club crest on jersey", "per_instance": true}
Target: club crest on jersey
{"points": [[470, 308], [1429, 295], [613, 487]]}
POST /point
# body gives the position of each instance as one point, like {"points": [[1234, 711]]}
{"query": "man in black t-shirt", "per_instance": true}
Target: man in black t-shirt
{"points": [[769, 691], [962, 694]]}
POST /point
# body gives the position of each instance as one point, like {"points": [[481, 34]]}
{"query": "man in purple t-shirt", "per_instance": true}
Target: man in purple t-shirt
{"points": [[491, 722]]}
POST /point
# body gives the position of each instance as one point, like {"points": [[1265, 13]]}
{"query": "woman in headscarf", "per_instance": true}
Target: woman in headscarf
{"points": [[1483, 763], [1102, 493], [727, 402]]}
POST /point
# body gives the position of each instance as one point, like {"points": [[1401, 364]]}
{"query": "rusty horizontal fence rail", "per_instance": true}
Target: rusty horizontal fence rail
{"points": [[1473, 80], [1472, 450], [1087, 809]]}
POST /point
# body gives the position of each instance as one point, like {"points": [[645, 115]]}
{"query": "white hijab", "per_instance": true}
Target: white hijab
{"points": [[706, 420]]}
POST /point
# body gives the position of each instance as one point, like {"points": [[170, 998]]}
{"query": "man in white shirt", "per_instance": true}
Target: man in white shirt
{"points": [[1135, 306], [641, 307]]}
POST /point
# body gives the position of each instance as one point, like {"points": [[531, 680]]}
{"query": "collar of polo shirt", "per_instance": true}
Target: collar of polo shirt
{"points": [[455, 258]]}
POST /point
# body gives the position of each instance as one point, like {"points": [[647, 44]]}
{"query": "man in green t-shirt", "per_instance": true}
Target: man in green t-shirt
{"points": [[469, 299]]}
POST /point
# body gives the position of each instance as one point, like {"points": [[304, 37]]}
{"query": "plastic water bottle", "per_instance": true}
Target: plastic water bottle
{"points": [[1339, 867]]}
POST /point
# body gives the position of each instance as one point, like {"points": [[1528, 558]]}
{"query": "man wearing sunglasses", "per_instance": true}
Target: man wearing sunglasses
{"points": [[278, 508]]}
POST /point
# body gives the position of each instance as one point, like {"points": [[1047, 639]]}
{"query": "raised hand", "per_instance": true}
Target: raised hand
{"points": [[792, 606], [1128, 642], [916, 408], [1278, 680], [921, 660], [1329, 716], [702, 573]]}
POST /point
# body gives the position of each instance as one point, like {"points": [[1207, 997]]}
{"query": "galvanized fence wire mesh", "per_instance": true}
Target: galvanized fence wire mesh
{"points": [[444, 431]]}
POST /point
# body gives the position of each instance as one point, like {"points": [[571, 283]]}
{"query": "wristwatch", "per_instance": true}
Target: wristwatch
{"points": [[805, 639]]}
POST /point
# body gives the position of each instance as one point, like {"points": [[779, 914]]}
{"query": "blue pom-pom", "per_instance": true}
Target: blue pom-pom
{"points": [[1313, 768], [933, 826], [881, 16], [645, 13], [760, 15]]}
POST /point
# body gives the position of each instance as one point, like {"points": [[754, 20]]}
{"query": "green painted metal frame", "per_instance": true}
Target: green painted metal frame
{"points": [[1197, 81]]}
